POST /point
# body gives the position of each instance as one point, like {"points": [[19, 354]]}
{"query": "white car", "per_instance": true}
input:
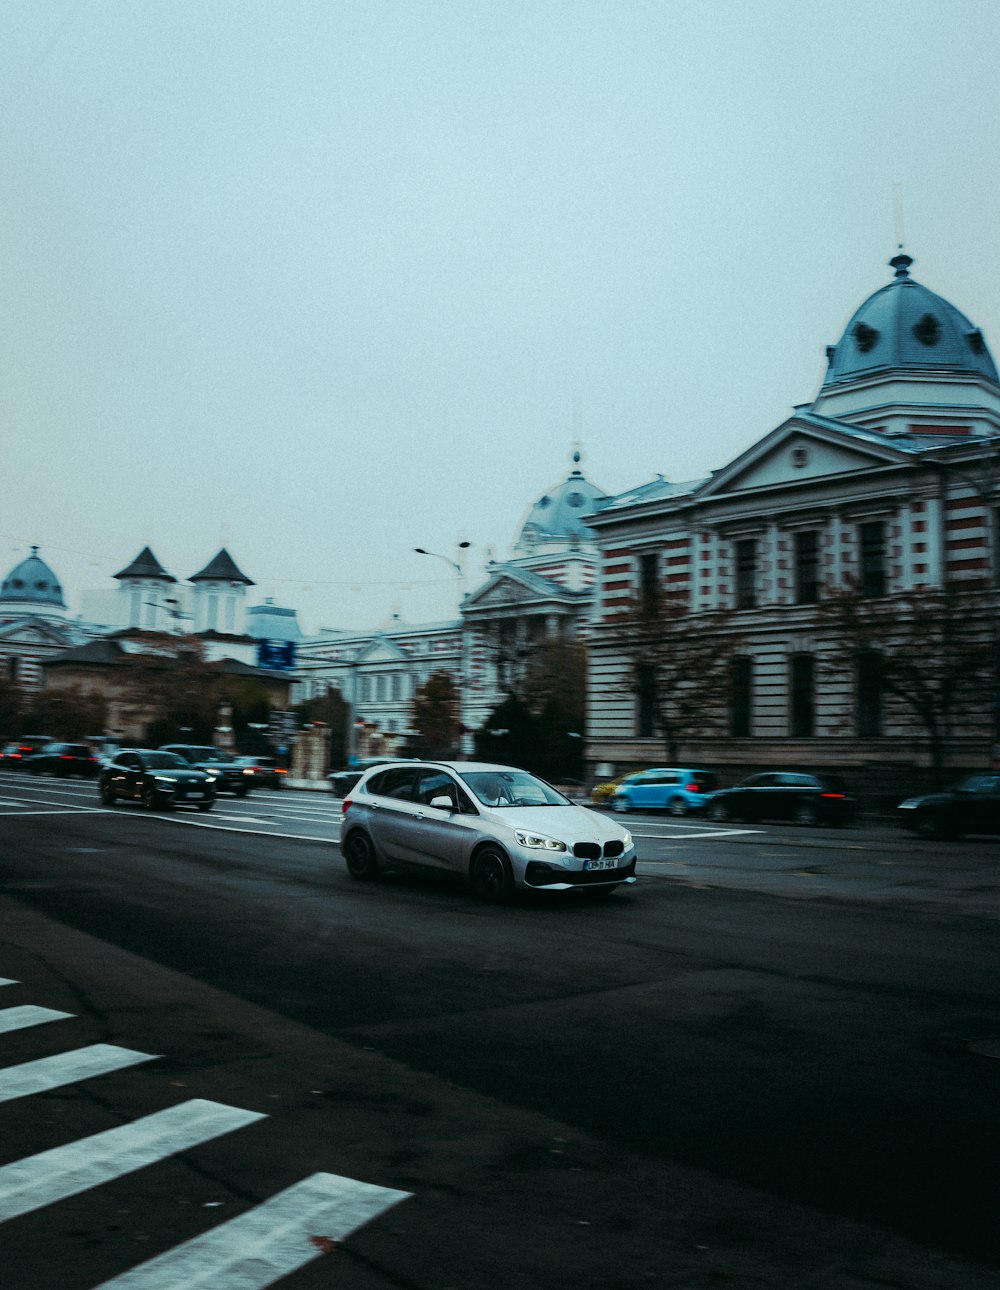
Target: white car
{"points": [[502, 828]]}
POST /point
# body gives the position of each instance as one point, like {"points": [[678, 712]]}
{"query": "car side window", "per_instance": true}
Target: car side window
{"points": [[130, 761], [435, 783], [397, 782]]}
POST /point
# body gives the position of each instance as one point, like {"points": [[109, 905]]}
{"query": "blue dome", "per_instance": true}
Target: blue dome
{"points": [[558, 516], [32, 582], [904, 326]]}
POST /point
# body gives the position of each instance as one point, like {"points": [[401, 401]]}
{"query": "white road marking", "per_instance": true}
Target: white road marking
{"points": [[6, 980], [64, 810], [27, 1015], [268, 1242], [66, 1068], [50, 1176], [697, 837]]}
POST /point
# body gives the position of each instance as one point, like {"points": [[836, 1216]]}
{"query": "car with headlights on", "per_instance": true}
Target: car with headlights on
{"points": [[230, 775], [157, 779], [971, 806], [500, 827]]}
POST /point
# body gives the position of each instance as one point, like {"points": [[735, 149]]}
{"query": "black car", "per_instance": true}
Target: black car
{"points": [[62, 760], [157, 779], [13, 756], [973, 806], [785, 795], [264, 771], [232, 777]]}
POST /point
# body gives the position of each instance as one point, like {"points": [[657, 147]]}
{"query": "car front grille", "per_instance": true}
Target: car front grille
{"points": [[592, 850]]}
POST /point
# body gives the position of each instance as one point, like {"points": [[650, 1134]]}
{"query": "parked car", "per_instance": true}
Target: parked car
{"points": [[231, 777], [63, 759], [665, 789], [157, 779], [342, 781], [785, 795], [264, 771], [502, 828], [972, 806]]}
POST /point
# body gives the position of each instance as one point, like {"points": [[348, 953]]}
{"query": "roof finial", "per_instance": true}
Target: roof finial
{"points": [[901, 263]]}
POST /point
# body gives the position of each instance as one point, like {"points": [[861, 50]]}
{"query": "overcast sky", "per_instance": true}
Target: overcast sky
{"points": [[323, 281]]}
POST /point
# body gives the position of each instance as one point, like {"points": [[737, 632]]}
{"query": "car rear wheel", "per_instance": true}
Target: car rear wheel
{"points": [[242, 790], [722, 812], [359, 856], [205, 806], [621, 804], [678, 806], [805, 813], [108, 795], [492, 879]]}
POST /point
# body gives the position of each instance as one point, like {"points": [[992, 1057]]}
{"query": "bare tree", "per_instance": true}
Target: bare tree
{"points": [[436, 714], [931, 648], [679, 664], [168, 679]]}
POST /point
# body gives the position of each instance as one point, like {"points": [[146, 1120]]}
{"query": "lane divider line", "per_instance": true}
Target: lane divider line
{"points": [[268, 1242], [27, 1015], [66, 1068], [39, 1180]]}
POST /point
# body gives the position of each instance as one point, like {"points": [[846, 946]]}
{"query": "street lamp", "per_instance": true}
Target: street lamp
{"points": [[456, 568]]}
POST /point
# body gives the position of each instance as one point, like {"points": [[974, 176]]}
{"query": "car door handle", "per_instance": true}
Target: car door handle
{"points": [[420, 815]]}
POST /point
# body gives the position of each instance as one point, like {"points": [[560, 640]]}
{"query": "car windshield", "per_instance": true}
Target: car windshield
{"points": [[513, 788], [209, 754], [980, 784], [165, 761]]}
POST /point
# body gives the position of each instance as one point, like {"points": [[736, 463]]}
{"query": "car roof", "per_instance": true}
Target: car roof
{"points": [[460, 767]]}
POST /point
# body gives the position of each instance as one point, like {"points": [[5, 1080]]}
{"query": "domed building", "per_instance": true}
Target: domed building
{"points": [[885, 489], [34, 622]]}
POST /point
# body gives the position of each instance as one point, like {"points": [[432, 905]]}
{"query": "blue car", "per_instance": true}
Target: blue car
{"points": [[665, 788]]}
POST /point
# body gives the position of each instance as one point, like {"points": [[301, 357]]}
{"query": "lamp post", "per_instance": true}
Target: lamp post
{"points": [[457, 568]]}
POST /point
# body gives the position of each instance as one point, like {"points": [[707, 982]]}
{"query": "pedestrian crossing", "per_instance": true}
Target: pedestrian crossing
{"points": [[250, 1252]]}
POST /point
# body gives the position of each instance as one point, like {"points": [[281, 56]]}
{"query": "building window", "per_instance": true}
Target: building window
{"points": [[649, 582], [380, 688], [872, 541], [803, 696], [211, 615], [807, 567], [646, 705], [868, 681], [364, 689], [746, 573], [740, 697], [397, 685], [13, 668]]}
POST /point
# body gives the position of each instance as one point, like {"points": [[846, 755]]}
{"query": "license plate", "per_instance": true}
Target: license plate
{"points": [[601, 864]]}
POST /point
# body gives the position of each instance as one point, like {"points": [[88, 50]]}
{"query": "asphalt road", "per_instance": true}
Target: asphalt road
{"points": [[793, 1031]]}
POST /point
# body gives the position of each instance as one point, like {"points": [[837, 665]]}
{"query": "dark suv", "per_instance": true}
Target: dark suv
{"points": [[62, 759], [232, 777]]}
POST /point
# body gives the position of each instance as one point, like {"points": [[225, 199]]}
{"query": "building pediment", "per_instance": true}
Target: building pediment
{"points": [[32, 631], [799, 451], [382, 650], [509, 587]]}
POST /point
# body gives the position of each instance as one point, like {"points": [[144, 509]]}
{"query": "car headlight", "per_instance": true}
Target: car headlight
{"points": [[165, 779], [212, 779], [910, 804], [247, 771], [537, 841], [627, 839]]}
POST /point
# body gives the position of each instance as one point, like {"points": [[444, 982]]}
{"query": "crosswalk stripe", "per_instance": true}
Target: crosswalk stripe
{"points": [[268, 1242], [66, 1068], [53, 1175], [27, 1015]]}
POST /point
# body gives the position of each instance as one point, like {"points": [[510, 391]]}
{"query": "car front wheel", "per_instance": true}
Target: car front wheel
{"points": [[721, 812], [492, 880], [151, 800], [621, 804], [359, 856], [678, 806], [108, 795], [805, 813]]}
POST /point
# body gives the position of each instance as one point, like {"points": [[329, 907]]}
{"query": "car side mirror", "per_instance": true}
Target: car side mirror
{"points": [[443, 803]]}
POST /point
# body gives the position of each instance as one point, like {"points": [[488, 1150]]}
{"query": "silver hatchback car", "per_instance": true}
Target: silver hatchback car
{"points": [[501, 827]]}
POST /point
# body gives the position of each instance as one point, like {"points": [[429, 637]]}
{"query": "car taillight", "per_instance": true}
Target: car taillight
{"points": [[832, 795], [65, 756], [691, 788], [345, 804]]}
